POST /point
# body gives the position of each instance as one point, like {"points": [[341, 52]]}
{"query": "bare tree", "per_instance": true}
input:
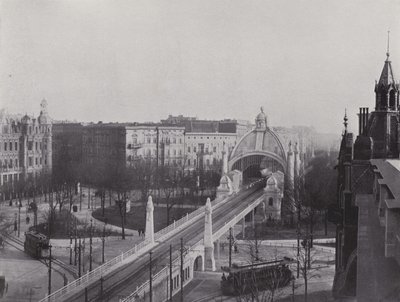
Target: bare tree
{"points": [[307, 262]]}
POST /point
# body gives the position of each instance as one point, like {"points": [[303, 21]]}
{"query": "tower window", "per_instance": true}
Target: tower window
{"points": [[270, 201], [392, 100]]}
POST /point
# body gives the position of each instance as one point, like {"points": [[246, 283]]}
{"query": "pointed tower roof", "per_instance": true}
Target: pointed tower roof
{"points": [[387, 76]]}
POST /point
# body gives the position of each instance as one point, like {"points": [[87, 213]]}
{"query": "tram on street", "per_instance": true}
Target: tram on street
{"points": [[256, 277], [36, 244]]}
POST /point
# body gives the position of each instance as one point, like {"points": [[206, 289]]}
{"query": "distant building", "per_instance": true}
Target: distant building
{"points": [[127, 143], [205, 140], [367, 212], [67, 143], [25, 145]]}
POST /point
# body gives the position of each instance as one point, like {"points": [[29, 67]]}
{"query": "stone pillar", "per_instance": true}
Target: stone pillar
{"points": [[224, 160], [209, 260], [149, 234], [218, 250], [243, 228], [252, 218]]}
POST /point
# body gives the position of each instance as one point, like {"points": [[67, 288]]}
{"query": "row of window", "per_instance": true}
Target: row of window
{"points": [[207, 162], [205, 149], [7, 178], [168, 152], [165, 140], [207, 137], [42, 129], [9, 163], [172, 162], [38, 161], [13, 146], [176, 279], [8, 146]]}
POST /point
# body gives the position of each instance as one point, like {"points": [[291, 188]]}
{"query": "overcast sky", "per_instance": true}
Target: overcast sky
{"points": [[124, 60]]}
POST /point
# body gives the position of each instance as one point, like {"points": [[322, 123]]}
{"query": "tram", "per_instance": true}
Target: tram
{"points": [[36, 244], [258, 276]]}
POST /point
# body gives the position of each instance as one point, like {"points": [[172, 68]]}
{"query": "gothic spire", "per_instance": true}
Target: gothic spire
{"points": [[345, 119]]}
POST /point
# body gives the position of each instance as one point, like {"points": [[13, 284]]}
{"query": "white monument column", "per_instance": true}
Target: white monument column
{"points": [[224, 159], [149, 234], [208, 238]]}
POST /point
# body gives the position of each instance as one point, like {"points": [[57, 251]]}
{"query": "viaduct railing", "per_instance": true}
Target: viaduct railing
{"points": [[125, 257], [140, 291]]}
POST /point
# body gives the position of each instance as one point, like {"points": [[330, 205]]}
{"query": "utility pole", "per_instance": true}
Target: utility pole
{"points": [[230, 247], [151, 278], [76, 244], [103, 242], [79, 259], [90, 243], [70, 250], [181, 269], [80, 197], [309, 253], [19, 218], [171, 287], [49, 269], [298, 251]]}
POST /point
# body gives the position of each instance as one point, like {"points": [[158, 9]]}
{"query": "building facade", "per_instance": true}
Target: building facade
{"points": [[367, 210], [25, 146], [205, 140], [67, 143], [129, 143]]}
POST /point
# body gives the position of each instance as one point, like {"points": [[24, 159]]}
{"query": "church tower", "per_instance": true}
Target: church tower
{"points": [[378, 131]]}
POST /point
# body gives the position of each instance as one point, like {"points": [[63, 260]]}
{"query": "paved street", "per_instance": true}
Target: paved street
{"points": [[209, 282]]}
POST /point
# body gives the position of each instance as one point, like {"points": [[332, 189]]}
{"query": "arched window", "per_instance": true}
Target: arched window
{"points": [[270, 201], [392, 99]]}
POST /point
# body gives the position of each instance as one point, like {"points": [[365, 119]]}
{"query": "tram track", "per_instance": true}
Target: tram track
{"points": [[19, 245]]}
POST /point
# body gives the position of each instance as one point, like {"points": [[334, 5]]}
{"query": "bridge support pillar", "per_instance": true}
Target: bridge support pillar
{"points": [[149, 234], [218, 249], [243, 228], [209, 260]]}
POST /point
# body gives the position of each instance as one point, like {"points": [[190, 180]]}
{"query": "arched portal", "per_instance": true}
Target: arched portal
{"points": [[198, 263], [251, 165]]}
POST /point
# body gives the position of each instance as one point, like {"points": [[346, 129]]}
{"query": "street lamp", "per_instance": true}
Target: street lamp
{"points": [[103, 240], [90, 242]]}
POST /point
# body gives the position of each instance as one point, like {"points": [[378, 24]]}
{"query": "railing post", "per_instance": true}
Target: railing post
{"points": [[174, 224]]}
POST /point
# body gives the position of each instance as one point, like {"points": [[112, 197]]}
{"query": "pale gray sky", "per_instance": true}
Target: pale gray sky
{"points": [[124, 60]]}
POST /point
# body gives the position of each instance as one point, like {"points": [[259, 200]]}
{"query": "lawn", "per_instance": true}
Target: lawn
{"points": [[136, 217], [63, 226]]}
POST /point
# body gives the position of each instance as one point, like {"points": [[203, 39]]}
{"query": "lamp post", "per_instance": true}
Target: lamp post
{"points": [[49, 286], [90, 243], [103, 241], [79, 259], [151, 278], [181, 269], [70, 250], [230, 247], [19, 218]]}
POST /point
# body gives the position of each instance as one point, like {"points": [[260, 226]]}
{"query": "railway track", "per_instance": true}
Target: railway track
{"points": [[127, 277], [19, 245]]}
